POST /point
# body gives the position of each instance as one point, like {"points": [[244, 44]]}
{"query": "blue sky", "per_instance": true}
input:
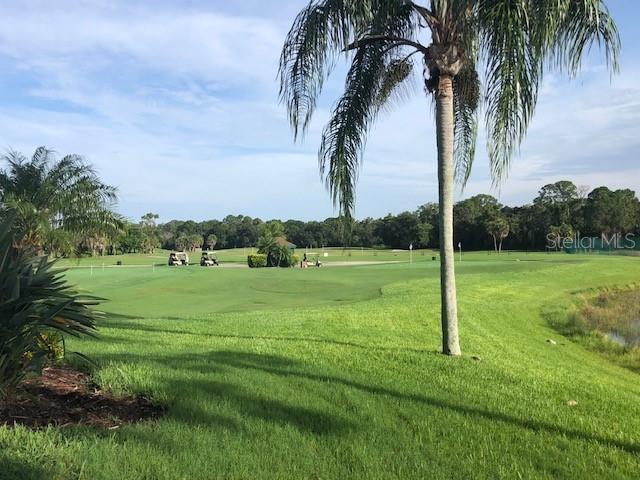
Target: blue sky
{"points": [[176, 104]]}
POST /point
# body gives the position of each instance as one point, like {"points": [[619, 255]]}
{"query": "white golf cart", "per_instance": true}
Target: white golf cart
{"points": [[178, 258], [209, 259]]}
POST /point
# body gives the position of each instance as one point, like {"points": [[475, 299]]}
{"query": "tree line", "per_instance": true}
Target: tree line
{"points": [[481, 222], [63, 209]]}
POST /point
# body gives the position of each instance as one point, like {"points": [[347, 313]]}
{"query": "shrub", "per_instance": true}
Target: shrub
{"points": [[257, 260], [295, 260], [277, 255], [52, 345], [280, 256], [36, 308]]}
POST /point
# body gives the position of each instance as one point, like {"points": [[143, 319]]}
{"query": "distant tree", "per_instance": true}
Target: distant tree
{"points": [[148, 220], [149, 228], [611, 212], [60, 243], [471, 216], [559, 232], [131, 239], [563, 200], [211, 241], [498, 227], [149, 242], [429, 215], [195, 241], [402, 230], [94, 245], [182, 243]]}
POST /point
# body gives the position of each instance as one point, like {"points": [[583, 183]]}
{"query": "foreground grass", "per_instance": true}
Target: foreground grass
{"points": [[284, 389]]}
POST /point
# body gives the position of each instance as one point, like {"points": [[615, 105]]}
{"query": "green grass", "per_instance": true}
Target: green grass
{"points": [[334, 373], [239, 256]]}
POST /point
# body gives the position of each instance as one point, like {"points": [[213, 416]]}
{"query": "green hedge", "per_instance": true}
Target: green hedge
{"points": [[257, 260]]}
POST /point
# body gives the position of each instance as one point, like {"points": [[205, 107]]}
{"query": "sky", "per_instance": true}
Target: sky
{"points": [[176, 104]]}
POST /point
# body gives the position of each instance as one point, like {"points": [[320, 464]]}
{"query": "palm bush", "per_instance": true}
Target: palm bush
{"points": [[37, 307], [54, 200]]}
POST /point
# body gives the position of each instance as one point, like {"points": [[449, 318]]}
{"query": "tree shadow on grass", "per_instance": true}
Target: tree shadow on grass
{"points": [[262, 407], [284, 367], [125, 325], [195, 394]]}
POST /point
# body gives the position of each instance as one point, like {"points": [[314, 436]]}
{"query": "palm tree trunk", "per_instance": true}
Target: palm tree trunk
{"points": [[444, 127]]}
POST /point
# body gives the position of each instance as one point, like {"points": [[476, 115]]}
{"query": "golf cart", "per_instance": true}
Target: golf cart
{"points": [[178, 258], [209, 259]]}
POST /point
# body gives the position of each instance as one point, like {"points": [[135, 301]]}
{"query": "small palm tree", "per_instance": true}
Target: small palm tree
{"points": [[508, 42], [48, 196], [499, 229]]}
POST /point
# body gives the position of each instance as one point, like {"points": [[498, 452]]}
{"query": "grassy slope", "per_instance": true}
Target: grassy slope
{"points": [[270, 391]]}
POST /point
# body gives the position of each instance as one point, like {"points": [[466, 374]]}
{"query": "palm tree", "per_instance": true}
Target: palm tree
{"points": [[499, 228], [510, 43], [49, 197]]}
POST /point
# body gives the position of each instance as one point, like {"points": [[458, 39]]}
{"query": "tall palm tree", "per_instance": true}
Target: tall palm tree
{"points": [[49, 196], [509, 43]]}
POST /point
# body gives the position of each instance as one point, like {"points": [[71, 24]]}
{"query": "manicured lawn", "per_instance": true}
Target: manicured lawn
{"points": [[239, 256], [334, 373]]}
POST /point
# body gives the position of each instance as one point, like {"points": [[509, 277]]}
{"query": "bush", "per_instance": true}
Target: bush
{"points": [[257, 260], [295, 260], [36, 308]]}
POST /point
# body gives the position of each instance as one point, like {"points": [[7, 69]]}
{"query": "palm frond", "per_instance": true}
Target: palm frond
{"points": [[565, 29], [586, 22], [466, 103], [343, 137], [319, 32], [375, 76], [518, 41], [513, 72], [322, 31], [394, 87]]}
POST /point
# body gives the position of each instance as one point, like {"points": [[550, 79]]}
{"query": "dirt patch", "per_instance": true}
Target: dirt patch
{"points": [[64, 397]]}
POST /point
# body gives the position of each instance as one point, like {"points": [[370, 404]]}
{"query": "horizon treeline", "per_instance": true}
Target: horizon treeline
{"points": [[561, 209]]}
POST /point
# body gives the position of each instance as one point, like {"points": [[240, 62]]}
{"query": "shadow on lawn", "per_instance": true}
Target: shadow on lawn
{"points": [[11, 469], [192, 396], [120, 323], [317, 422]]}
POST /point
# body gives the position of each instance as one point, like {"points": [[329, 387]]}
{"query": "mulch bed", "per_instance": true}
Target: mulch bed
{"points": [[64, 397]]}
